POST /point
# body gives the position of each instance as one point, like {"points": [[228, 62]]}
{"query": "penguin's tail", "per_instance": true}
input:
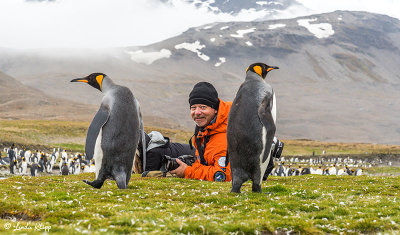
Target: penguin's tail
{"points": [[120, 178]]}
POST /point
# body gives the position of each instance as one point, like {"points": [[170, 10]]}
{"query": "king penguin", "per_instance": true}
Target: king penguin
{"points": [[251, 129], [114, 133]]}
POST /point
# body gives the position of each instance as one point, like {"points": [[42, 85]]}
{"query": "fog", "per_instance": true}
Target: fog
{"points": [[111, 23]]}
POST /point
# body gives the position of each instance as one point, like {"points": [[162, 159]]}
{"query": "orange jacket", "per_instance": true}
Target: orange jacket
{"points": [[215, 149]]}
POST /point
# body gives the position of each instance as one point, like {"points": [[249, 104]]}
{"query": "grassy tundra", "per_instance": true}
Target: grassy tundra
{"points": [[302, 204]]}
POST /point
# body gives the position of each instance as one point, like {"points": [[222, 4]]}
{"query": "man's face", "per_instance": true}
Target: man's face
{"points": [[202, 114]]}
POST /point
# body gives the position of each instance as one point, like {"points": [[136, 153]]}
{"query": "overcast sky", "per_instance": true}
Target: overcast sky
{"points": [[113, 23]]}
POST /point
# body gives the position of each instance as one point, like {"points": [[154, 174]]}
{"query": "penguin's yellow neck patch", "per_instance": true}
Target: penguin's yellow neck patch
{"points": [[258, 70], [99, 79]]}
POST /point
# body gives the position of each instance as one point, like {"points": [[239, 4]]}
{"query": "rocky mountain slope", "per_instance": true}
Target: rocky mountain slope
{"points": [[338, 78]]}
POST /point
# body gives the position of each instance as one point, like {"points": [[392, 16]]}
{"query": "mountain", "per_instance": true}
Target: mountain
{"points": [[22, 102], [234, 7], [338, 78]]}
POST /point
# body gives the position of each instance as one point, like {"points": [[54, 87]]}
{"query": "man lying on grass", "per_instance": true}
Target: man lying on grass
{"points": [[211, 117]]}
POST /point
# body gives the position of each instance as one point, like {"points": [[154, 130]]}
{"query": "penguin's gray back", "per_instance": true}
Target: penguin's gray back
{"points": [[119, 137], [122, 119], [250, 131], [249, 97]]}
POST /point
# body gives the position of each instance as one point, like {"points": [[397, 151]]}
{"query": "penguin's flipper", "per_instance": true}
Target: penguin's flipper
{"points": [[98, 122], [267, 119]]}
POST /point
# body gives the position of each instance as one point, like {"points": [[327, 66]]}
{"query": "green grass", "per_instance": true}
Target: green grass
{"points": [[392, 170], [307, 147], [302, 204]]}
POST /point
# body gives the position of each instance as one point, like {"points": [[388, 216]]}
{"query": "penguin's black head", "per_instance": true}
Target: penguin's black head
{"points": [[94, 79], [260, 69]]}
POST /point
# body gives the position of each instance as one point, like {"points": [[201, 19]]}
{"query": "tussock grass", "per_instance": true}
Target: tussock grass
{"points": [[302, 204], [307, 147]]}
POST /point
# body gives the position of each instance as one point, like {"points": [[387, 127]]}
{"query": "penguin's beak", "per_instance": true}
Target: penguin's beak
{"points": [[80, 80], [271, 68]]}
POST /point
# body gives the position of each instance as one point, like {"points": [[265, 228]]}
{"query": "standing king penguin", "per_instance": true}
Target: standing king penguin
{"points": [[251, 129], [114, 133]]}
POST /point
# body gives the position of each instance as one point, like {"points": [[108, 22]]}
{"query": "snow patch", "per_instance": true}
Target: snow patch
{"points": [[340, 18], [248, 43], [224, 27], [221, 61], [262, 3], [148, 57], [212, 39], [275, 26], [322, 30], [242, 32], [208, 27], [193, 47]]}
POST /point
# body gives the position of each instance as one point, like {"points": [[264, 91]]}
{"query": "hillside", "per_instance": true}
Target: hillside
{"points": [[21, 102], [338, 78]]}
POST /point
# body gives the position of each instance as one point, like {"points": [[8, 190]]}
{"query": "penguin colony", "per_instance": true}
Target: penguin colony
{"points": [[316, 166], [251, 129], [35, 163], [282, 167]]}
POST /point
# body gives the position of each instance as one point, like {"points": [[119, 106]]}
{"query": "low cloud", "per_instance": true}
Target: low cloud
{"points": [[100, 23], [110, 23]]}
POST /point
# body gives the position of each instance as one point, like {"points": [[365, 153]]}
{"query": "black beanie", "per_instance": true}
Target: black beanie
{"points": [[204, 93]]}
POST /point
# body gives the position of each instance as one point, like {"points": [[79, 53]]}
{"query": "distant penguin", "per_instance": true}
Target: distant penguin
{"points": [[92, 168], [64, 169], [24, 166], [114, 133], [251, 129], [34, 169], [332, 170], [306, 171], [77, 169], [41, 165], [14, 166]]}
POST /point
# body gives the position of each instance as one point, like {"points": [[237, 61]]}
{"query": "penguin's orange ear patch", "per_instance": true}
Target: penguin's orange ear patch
{"points": [[99, 79], [258, 70]]}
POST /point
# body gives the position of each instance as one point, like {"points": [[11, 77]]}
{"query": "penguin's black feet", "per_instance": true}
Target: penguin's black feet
{"points": [[256, 188], [236, 188], [95, 183]]}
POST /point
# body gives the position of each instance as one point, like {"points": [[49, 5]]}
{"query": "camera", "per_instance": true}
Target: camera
{"points": [[169, 163]]}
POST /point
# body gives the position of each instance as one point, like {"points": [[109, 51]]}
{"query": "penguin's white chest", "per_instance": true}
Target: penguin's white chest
{"points": [[24, 167], [98, 153]]}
